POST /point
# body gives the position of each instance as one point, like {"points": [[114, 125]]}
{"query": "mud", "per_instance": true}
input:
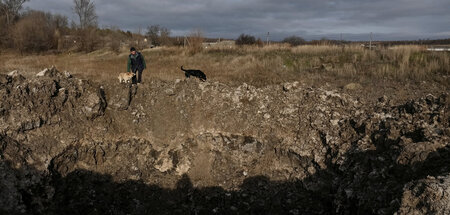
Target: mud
{"points": [[73, 146]]}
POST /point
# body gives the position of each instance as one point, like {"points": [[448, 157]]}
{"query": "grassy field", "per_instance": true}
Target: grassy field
{"points": [[257, 66]]}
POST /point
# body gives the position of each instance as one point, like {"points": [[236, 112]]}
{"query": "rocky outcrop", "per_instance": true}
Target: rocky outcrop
{"points": [[28, 104], [427, 196], [205, 147]]}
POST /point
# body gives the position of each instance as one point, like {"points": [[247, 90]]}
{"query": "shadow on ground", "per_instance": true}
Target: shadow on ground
{"points": [[369, 185]]}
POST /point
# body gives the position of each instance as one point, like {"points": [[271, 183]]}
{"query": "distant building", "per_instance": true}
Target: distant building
{"points": [[438, 48], [223, 43], [368, 45]]}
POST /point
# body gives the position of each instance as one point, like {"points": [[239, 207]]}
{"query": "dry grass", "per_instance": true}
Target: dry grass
{"points": [[258, 66]]}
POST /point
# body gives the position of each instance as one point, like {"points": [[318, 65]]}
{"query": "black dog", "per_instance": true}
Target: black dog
{"points": [[194, 72]]}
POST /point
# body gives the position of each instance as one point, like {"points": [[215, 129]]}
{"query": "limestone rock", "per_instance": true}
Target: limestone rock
{"points": [[13, 73], [353, 86], [51, 72], [327, 67], [427, 196]]}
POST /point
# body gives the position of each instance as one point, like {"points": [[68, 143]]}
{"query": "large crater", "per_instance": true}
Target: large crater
{"points": [[72, 146]]}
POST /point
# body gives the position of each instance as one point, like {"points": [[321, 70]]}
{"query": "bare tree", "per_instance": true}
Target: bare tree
{"points": [[60, 21], [87, 32], [158, 35], [140, 40], [164, 36], [153, 34], [85, 10], [11, 8]]}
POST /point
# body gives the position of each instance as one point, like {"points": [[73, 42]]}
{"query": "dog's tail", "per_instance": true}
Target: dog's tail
{"points": [[182, 68]]}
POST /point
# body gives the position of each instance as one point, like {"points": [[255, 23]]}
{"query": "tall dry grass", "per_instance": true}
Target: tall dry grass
{"points": [[258, 66]]}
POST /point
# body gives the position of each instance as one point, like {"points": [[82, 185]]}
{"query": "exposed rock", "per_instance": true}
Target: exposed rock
{"points": [[67, 74], [5, 79], [95, 104], [121, 99], [289, 86], [353, 86], [16, 76], [52, 72], [427, 196], [201, 147], [327, 67], [13, 73]]}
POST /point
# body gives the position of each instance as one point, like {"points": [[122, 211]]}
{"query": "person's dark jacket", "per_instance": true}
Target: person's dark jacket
{"points": [[136, 62]]}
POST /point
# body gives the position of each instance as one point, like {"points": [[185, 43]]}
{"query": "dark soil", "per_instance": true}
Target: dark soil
{"points": [[72, 146]]}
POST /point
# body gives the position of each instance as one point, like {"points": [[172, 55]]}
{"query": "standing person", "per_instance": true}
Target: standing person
{"points": [[136, 63]]}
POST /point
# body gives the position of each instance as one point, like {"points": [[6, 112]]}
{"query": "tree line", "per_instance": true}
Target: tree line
{"points": [[37, 31]]}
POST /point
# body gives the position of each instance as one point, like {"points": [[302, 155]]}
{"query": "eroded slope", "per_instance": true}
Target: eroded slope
{"points": [[189, 146]]}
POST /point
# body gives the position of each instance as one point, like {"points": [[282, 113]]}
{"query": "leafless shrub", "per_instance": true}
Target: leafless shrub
{"points": [[138, 41], [115, 38], [89, 39], [158, 35], [60, 25], [153, 34], [323, 41], [115, 44], [5, 40], [164, 37], [34, 33], [59, 22], [294, 40], [245, 39], [259, 42], [9, 13], [195, 40], [177, 41]]}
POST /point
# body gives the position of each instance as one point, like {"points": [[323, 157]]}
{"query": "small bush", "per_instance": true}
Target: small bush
{"points": [[115, 43], [153, 34], [5, 40], [294, 41], [114, 38], [245, 39], [89, 39], [164, 37], [259, 42], [33, 33], [196, 41]]}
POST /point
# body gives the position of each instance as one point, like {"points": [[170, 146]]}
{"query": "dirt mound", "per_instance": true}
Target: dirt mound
{"points": [[201, 147]]}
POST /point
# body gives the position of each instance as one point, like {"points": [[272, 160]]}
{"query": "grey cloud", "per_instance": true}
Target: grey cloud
{"points": [[355, 19]]}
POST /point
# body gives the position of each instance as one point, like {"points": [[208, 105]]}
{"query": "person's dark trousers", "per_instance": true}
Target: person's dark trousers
{"points": [[137, 78]]}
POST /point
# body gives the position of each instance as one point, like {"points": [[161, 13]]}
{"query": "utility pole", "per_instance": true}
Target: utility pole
{"points": [[370, 43], [268, 35]]}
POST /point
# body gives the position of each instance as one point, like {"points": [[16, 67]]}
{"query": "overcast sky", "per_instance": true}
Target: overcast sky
{"points": [[310, 19]]}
